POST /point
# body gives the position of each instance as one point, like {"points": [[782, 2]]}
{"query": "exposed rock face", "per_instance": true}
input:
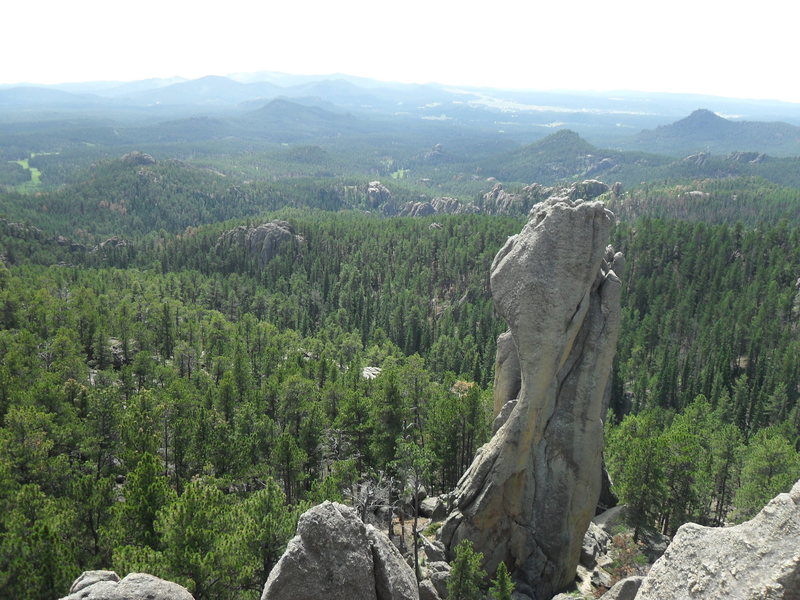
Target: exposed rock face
{"points": [[759, 559], [378, 194], [501, 417], [427, 591], [530, 493], [698, 159], [595, 543], [746, 157], [433, 508], [500, 202], [587, 190], [435, 154], [335, 556], [440, 204], [507, 377], [438, 574], [137, 158], [451, 206], [262, 241], [106, 585], [417, 209], [111, 243]]}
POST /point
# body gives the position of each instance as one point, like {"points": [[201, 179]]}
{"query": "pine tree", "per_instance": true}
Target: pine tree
{"points": [[502, 585], [466, 574]]}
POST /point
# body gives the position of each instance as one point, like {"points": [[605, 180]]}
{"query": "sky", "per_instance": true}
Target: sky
{"points": [[743, 50]]}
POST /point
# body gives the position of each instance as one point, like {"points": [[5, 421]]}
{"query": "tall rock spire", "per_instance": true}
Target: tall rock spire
{"points": [[531, 491]]}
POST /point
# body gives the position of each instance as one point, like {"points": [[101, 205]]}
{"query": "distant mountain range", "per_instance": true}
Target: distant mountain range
{"points": [[436, 134], [705, 131], [564, 155], [609, 119]]}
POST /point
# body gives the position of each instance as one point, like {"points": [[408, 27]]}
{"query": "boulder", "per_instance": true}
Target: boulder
{"points": [[595, 543], [530, 493], [433, 508], [88, 578], [427, 591], [759, 559], [394, 579], [624, 589], [434, 551], [106, 585], [335, 556], [439, 573]]}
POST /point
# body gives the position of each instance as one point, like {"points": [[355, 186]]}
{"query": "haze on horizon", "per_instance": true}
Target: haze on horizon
{"points": [[706, 48]]}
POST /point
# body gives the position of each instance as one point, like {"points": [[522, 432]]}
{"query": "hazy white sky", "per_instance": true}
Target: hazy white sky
{"points": [[697, 46]]}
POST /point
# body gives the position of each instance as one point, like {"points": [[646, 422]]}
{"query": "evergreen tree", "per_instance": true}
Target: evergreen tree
{"points": [[502, 586], [770, 466], [466, 574]]}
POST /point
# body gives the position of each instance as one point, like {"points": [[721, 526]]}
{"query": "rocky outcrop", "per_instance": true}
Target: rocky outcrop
{"points": [[138, 159], [106, 585], [759, 559], [263, 241], [440, 204], [530, 493], [500, 202], [111, 243], [378, 194], [746, 157], [335, 556], [697, 160], [587, 190], [416, 209], [451, 206]]}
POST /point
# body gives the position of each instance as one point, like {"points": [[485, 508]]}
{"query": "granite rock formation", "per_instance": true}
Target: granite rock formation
{"points": [[261, 241], [416, 209], [138, 159], [335, 556], [530, 493], [759, 559], [624, 589], [498, 201], [451, 206], [507, 377], [106, 585]]}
